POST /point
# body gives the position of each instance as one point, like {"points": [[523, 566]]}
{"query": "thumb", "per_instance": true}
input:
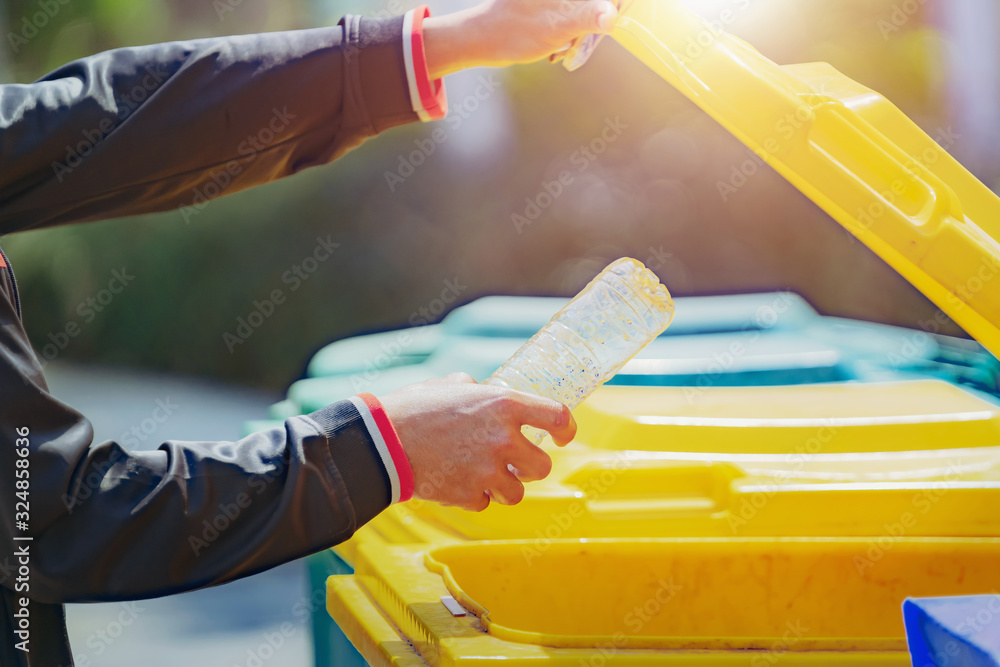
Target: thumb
{"points": [[598, 16]]}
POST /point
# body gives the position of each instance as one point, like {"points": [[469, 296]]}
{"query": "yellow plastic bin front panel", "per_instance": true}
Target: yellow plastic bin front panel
{"points": [[749, 506], [710, 594], [679, 601], [846, 148], [837, 459]]}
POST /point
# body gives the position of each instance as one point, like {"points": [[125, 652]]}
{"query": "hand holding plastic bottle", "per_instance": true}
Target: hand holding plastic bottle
{"points": [[460, 437], [463, 438]]}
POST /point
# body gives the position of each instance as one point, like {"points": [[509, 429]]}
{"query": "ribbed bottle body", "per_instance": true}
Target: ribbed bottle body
{"points": [[616, 315]]}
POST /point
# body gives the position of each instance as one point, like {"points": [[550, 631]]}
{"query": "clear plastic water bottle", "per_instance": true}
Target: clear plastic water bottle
{"points": [[616, 315]]}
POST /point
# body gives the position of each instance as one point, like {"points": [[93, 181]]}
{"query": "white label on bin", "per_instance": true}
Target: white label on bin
{"points": [[451, 604]]}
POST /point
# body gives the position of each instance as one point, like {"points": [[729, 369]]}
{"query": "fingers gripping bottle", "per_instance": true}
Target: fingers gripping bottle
{"points": [[615, 316]]}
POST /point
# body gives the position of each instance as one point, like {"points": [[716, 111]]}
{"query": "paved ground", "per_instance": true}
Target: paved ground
{"points": [[235, 625]]}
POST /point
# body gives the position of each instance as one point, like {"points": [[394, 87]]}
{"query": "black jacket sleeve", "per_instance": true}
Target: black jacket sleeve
{"points": [[109, 524], [97, 522], [152, 128]]}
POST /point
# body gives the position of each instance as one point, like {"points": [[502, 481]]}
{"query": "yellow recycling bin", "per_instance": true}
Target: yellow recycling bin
{"points": [[764, 524]]}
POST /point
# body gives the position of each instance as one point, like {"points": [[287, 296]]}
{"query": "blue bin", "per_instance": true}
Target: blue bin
{"points": [[962, 631]]}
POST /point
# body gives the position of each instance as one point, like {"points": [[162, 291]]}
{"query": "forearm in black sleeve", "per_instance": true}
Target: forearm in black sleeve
{"points": [[111, 524], [160, 127]]}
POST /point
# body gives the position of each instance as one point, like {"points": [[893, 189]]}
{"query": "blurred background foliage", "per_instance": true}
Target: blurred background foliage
{"points": [[653, 194]]}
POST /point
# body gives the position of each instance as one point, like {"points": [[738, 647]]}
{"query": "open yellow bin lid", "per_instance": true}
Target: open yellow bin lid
{"points": [[848, 149]]}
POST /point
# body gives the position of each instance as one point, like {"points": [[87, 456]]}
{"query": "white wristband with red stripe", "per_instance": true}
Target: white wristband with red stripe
{"points": [[390, 450], [427, 97]]}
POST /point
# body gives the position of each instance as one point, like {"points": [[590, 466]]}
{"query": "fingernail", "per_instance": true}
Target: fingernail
{"points": [[606, 20]]}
